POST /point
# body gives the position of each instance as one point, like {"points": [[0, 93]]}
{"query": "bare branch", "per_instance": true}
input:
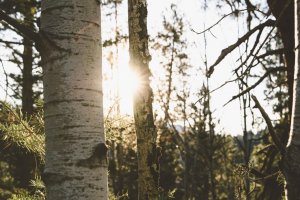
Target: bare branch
{"points": [[274, 69], [222, 85], [242, 39], [251, 51], [273, 135], [270, 52], [23, 29], [10, 42], [235, 12]]}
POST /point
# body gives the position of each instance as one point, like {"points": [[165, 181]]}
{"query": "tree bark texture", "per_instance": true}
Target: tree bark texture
{"points": [[76, 165], [283, 11], [143, 113], [291, 160]]}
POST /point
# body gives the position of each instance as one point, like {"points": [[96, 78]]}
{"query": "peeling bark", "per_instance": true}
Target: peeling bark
{"points": [[143, 114]]}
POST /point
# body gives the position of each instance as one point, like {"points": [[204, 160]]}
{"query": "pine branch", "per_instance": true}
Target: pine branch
{"points": [[18, 131]]}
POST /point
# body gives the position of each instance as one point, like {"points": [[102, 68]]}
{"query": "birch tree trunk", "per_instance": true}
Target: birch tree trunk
{"points": [[143, 114], [76, 166], [291, 164]]}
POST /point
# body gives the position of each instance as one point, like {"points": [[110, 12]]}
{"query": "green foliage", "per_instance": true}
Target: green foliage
{"points": [[111, 196], [27, 134], [38, 189], [37, 184], [122, 157], [19, 137], [26, 197], [169, 196]]}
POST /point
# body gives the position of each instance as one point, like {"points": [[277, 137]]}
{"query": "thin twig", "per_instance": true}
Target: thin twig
{"points": [[235, 12], [242, 39], [270, 52], [248, 89]]}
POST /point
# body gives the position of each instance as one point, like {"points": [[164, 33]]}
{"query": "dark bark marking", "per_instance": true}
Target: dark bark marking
{"points": [[98, 157], [51, 178]]}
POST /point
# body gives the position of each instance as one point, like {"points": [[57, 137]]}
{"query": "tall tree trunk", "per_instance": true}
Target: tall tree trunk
{"points": [[27, 82], [143, 114], [283, 11], [76, 165], [25, 162], [291, 164]]}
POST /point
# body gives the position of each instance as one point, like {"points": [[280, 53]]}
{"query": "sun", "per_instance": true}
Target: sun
{"points": [[129, 84], [129, 81], [120, 83]]}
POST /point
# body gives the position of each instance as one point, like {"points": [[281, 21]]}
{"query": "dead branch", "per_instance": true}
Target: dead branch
{"points": [[272, 132], [235, 12], [248, 89], [242, 39], [23, 29], [269, 53], [251, 51], [10, 42]]}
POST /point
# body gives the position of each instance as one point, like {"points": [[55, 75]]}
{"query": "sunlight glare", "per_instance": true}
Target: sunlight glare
{"points": [[129, 81]]}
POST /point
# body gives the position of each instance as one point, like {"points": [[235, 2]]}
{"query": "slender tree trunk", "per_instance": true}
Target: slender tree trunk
{"points": [[76, 165], [25, 162], [143, 114], [170, 84], [211, 146], [27, 82], [291, 164], [246, 147]]}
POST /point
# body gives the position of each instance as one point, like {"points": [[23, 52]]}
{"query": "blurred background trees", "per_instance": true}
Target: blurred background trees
{"points": [[197, 159]]}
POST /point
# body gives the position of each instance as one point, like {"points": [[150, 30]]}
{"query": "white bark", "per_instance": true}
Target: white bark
{"points": [[76, 165], [295, 121]]}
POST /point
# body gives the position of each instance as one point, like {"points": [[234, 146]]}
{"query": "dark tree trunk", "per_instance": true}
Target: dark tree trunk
{"points": [[283, 11], [291, 159], [27, 82], [25, 162]]}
